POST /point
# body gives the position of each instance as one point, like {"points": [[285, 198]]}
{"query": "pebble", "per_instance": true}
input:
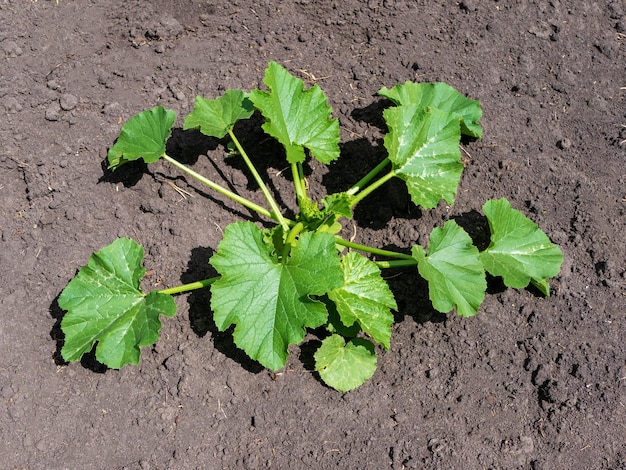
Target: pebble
{"points": [[52, 113], [564, 144], [68, 102]]}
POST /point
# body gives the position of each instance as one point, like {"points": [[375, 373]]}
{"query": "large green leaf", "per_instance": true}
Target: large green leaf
{"points": [[453, 270], [345, 366], [269, 300], [215, 117], [519, 251], [143, 136], [105, 305], [423, 145], [297, 118], [441, 96], [365, 298]]}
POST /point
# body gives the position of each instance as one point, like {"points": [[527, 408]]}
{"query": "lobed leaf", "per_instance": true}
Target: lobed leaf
{"points": [[269, 301], [455, 275], [441, 96], [216, 117], [424, 148], [297, 118], [143, 136], [365, 298], [519, 251], [345, 366], [105, 305], [339, 204]]}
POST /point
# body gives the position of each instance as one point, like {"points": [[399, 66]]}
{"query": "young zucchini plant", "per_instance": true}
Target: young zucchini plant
{"points": [[276, 283]]}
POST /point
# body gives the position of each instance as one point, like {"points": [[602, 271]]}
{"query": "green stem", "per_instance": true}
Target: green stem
{"points": [[191, 286], [395, 264], [371, 188], [266, 192], [291, 240], [296, 173], [369, 177], [374, 251], [222, 190]]}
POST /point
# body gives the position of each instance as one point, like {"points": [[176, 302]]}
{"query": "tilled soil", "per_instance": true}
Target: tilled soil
{"points": [[530, 382]]}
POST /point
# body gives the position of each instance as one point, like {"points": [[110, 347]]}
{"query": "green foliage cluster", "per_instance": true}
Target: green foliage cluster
{"points": [[274, 284]]}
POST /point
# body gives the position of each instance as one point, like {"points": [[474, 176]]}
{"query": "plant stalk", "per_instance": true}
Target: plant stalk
{"points": [[296, 173], [266, 192], [371, 188], [369, 177], [222, 190], [188, 287], [374, 251], [290, 241], [395, 264]]}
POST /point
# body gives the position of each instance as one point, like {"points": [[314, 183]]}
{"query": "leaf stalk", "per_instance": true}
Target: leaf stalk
{"points": [[266, 192], [189, 287]]}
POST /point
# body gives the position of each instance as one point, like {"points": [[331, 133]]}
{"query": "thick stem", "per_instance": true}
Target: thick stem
{"points": [[369, 177], [222, 190], [296, 173], [374, 251], [260, 182], [290, 241], [371, 188], [188, 287], [395, 264]]}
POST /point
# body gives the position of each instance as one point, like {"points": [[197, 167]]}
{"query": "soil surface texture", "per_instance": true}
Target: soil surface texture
{"points": [[529, 383]]}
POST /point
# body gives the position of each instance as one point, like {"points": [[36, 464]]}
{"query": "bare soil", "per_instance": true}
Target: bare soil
{"points": [[530, 382]]}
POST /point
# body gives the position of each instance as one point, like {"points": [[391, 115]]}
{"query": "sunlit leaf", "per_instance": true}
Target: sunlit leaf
{"points": [[106, 306], [519, 251], [345, 366], [297, 118], [270, 301], [365, 298], [455, 275], [441, 96], [424, 148], [215, 117], [143, 136]]}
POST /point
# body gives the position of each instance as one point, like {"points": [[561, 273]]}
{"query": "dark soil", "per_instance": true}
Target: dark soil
{"points": [[530, 382]]}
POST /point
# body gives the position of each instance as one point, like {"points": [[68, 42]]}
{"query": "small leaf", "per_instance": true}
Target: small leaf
{"points": [[365, 298], [215, 117], [296, 117], [339, 204], [453, 270], [345, 367], [270, 301], [143, 136], [441, 96], [519, 251], [105, 305], [424, 148]]}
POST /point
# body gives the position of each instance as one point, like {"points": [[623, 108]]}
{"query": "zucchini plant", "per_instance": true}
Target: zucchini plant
{"points": [[274, 284]]}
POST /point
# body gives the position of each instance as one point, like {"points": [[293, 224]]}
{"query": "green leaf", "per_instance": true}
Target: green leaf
{"points": [[424, 148], [345, 367], [297, 118], [143, 136], [453, 270], [339, 204], [519, 251], [365, 298], [105, 305], [441, 96], [269, 301], [217, 116]]}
